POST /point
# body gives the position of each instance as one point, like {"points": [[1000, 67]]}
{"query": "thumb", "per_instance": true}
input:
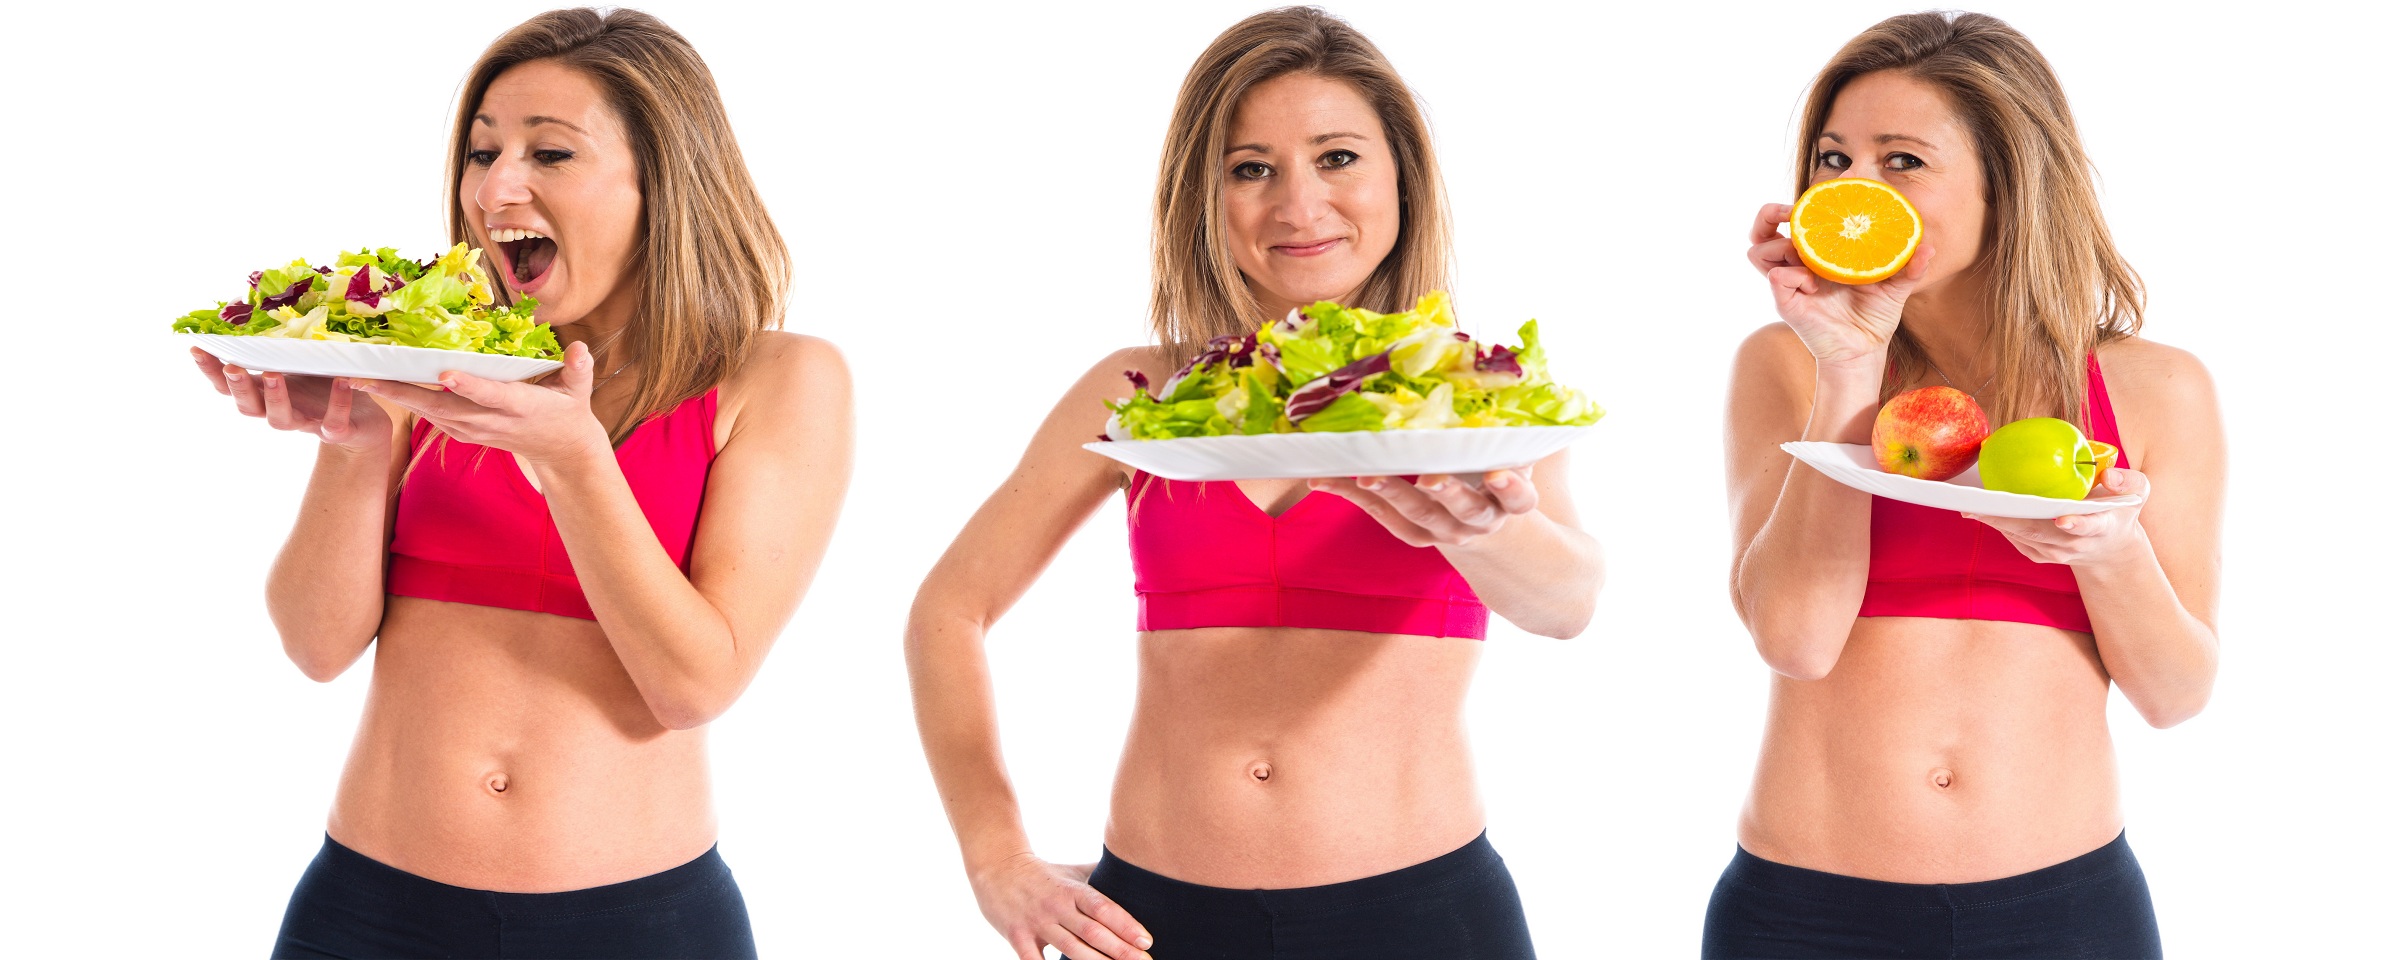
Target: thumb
{"points": [[1919, 264], [577, 377]]}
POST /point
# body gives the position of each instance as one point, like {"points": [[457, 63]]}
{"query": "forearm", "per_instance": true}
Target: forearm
{"points": [[950, 682], [1537, 573], [680, 650], [1798, 582], [325, 590], [2163, 657]]}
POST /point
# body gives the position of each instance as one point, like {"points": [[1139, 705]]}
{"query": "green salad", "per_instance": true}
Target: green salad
{"points": [[381, 297], [1329, 368]]}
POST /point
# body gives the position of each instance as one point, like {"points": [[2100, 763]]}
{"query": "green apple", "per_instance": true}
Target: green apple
{"points": [[2043, 457]]}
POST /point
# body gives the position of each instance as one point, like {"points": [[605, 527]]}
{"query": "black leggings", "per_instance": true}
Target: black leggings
{"points": [[1461, 905], [2096, 905], [350, 906]]}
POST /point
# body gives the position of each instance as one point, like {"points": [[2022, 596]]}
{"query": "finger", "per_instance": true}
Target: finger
{"points": [[1770, 217], [1513, 490], [1773, 253], [1120, 924], [1412, 504], [1792, 280], [244, 389], [1071, 946], [483, 393], [1470, 507], [212, 368], [2122, 482], [421, 401], [576, 379], [1027, 949], [336, 425], [1098, 936], [278, 402], [1919, 264]]}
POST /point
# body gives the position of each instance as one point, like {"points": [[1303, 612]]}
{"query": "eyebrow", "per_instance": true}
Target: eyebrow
{"points": [[1318, 140], [1884, 138], [532, 121]]}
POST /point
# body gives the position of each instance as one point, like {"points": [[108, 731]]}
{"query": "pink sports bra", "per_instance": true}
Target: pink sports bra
{"points": [[1204, 555], [1928, 562], [472, 529]]}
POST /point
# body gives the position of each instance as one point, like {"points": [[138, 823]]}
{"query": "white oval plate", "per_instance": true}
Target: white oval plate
{"points": [[1362, 454], [378, 361], [1853, 464]]}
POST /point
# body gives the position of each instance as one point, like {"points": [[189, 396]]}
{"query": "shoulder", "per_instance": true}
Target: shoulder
{"points": [[1110, 378], [786, 373], [1773, 348], [2148, 374]]}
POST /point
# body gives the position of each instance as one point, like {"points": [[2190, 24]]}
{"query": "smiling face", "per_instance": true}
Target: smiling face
{"points": [[1895, 128], [553, 191], [1312, 191]]}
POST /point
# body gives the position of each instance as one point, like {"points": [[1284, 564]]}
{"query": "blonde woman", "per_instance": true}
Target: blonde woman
{"points": [[563, 582], [1296, 782], [1937, 778]]}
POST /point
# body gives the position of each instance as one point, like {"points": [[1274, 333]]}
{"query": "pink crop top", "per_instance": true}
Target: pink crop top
{"points": [[472, 529], [1928, 562], [1204, 555]]}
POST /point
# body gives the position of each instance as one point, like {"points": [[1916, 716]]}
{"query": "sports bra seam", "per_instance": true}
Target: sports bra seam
{"points": [[1974, 580], [479, 566], [1338, 593]]}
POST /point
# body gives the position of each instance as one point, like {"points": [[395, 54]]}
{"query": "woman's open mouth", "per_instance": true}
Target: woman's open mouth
{"points": [[525, 257]]}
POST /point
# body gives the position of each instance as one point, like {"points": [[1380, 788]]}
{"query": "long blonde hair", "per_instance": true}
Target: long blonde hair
{"points": [[1196, 290], [2058, 287], [714, 269]]}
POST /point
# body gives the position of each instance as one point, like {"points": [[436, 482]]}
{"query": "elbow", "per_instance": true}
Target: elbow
{"points": [[1798, 662], [323, 659], [2163, 713], [689, 710]]}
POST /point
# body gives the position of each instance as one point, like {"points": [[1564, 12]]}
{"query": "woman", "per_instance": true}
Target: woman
{"points": [[1296, 780], [1937, 778], [530, 778]]}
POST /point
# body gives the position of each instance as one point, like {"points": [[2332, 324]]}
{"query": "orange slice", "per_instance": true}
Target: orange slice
{"points": [[1855, 230]]}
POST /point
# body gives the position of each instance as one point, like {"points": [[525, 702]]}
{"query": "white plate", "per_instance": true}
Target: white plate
{"points": [[1363, 454], [379, 361], [1854, 465]]}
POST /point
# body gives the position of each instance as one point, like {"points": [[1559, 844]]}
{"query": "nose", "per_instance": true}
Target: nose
{"points": [[1302, 200], [503, 184]]}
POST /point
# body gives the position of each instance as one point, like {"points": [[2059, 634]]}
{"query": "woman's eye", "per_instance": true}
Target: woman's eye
{"points": [[1901, 161], [1251, 170], [482, 158], [1339, 158], [553, 156], [1833, 160]]}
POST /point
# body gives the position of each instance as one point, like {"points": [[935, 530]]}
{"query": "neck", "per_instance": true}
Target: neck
{"points": [[1278, 307], [1952, 322]]}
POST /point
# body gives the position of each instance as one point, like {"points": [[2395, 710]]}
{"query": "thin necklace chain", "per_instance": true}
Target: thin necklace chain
{"points": [[1937, 371], [612, 341]]}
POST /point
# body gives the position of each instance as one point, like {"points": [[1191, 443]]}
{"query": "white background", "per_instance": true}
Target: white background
{"points": [[967, 191]]}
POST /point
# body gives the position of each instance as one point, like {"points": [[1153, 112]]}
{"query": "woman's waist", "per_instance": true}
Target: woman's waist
{"points": [[1269, 812]]}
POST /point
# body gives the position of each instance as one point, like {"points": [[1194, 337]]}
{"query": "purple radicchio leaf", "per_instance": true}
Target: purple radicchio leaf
{"points": [[255, 276], [1274, 356], [1105, 438], [234, 314], [362, 289], [1141, 382], [393, 281], [1235, 352], [325, 271], [1320, 393], [289, 296], [1499, 359]]}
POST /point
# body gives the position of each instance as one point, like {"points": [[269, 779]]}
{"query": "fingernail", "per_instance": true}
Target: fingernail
{"points": [[1437, 486], [1370, 483], [1143, 943], [2067, 524], [1500, 482], [232, 375]]}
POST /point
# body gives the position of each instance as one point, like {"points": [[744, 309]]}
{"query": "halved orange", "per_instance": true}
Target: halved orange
{"points": [[1855, 230]]}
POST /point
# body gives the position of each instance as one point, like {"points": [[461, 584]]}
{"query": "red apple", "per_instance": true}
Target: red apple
{"points": [[1930, 433]]}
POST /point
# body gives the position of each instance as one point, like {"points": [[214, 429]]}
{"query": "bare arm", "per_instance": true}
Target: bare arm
{"points": [[325, 590], [1515, 541], [1016, 533], [1800, 539], [2149, 573], [692, 644]]}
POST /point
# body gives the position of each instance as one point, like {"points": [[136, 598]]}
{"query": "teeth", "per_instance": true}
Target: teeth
{"points": [[512, 235]]}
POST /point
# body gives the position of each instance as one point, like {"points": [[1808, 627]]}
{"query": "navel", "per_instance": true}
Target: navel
{"points": [[1260, 770], [1942, 778], [496, 783]]}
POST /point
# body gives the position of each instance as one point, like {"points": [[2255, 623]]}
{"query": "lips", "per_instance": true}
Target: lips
{"points": [[1306, 249]]}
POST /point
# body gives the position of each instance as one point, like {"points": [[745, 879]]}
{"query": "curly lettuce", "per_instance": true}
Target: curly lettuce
{"points": [[378, 296]]}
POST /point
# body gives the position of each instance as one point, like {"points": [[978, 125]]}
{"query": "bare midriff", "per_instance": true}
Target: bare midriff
{"points": [[1939, 751], [1270, 758], [508, 750]]}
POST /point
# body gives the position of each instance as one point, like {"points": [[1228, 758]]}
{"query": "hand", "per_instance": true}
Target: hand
{"points": [[327, 407], [1840, 323], [1035, 903], [1439, 510], [2086, 540], [547, 422]]}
